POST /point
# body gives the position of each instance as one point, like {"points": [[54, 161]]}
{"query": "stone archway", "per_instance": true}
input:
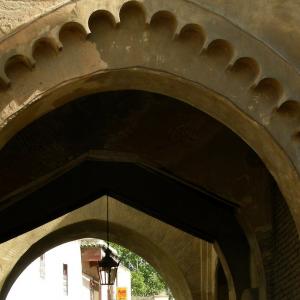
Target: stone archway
{"points": [[237, 83], [154, 47]]}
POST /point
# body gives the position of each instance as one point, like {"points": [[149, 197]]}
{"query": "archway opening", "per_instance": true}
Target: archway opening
{"points": [[221, 284]]}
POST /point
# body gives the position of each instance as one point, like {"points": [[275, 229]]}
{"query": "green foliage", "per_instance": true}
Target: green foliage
{"points": [[145, 281], [138, 286]]}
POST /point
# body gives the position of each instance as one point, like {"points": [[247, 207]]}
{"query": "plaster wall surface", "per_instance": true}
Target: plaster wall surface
{"points": [[50, 286], [274, 22]]}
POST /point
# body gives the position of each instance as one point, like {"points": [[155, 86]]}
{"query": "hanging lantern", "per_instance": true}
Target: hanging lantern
{"points": [[108, 268], [108, 265]]}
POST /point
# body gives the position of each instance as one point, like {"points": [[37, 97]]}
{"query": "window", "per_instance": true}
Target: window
{"points": [[65, 279], [42, 266]]}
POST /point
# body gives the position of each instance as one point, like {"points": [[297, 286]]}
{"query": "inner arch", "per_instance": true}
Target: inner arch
{"points": [[86, 148], [124, 236]]}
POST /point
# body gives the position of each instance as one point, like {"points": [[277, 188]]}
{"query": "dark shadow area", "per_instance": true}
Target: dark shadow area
{"points": [[221, 284]]}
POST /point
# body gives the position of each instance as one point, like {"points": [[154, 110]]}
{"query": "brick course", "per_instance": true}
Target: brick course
{"points": [[285, 274]]}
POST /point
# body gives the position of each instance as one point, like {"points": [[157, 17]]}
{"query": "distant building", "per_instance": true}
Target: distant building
{"points": [[69, 272], [91, 253]]}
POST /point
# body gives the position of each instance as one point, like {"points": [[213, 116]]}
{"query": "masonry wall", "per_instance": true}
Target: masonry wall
{"points": [[285, 280]]}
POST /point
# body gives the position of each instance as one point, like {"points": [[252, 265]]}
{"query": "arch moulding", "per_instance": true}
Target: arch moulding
{"points": [[189, 54]]}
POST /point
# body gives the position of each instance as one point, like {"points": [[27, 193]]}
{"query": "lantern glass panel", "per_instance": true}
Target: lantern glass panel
{"points": [[107, 268], [108, 276]]}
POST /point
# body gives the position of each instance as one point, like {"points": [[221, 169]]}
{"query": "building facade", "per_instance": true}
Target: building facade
{"points": [[65, 272]]}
